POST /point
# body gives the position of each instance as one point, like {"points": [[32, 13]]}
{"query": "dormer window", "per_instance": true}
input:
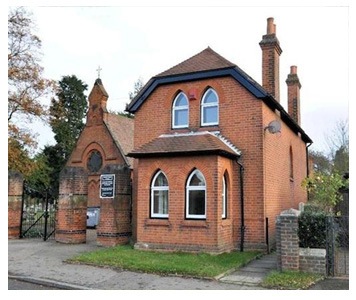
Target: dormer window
{"points": [[180, 111], [210, 108]]}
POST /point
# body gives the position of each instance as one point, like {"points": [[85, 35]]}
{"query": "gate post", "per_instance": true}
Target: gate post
{"points": [[114, 227], [287, 240], [72, 206], [15, 191]]}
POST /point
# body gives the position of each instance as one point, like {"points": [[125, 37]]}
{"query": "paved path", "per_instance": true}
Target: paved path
{"points": [[254, 272], [43, 262]]}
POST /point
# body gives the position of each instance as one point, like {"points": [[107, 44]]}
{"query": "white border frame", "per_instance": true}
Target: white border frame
{"points": [[158, 188], [204, 105], [174, 108], [113, 187], [194, 188]]}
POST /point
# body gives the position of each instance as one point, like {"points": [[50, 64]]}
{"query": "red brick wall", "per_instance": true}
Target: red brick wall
{"points": [[15, 190], [177, 233], [281, 191], [242, 119]]}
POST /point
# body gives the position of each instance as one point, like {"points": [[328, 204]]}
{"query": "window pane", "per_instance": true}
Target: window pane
{"points": [[181, 101], [210, 114], [160, 202], [197, 202], [197, 180], [161, 180], [181, 117], [210, 97], [224, 198]]}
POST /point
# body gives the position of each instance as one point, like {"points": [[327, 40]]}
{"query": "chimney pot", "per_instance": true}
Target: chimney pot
{"points": [[271, 28], [293, 69]]}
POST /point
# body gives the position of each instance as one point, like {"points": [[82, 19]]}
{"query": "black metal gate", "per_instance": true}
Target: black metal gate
{"points": [[38, 217], [337, 246]]}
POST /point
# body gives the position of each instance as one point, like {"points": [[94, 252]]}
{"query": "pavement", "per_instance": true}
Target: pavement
{"points": [[38, 262]]}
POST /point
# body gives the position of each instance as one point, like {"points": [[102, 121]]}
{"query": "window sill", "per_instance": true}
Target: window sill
{"points": [[196, 223], [157, 222], [226, 223]]}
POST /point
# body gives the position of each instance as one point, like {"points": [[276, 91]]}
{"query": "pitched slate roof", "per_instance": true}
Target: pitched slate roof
{"points": [[205, 60], [122, 130], [189, 143]]}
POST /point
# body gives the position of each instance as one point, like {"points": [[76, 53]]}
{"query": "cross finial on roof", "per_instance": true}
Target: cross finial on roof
{"points": [[98, 69]]}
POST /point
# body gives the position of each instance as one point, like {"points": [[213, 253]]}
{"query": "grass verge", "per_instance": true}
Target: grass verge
{"points": [[178, 263], [290, 280]]}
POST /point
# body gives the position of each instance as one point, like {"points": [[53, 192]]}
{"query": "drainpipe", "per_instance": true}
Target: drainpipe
{"points": [[242, 228], [307, 156]]}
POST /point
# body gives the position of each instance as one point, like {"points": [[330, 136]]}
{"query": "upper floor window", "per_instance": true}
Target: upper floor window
{"points": [[159, 196], [180, 111], [196, 196], [210, 108]]}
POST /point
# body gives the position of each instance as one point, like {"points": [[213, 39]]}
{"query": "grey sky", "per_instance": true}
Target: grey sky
{"points": [[133, 42]]}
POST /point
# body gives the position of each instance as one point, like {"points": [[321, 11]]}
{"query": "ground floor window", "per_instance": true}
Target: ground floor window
{"points": [[196, 196], [224, 198], [159, 196]]}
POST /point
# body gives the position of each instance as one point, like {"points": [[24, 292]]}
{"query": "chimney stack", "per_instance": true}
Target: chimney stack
{"points": [[294, 94], [271, 51]]}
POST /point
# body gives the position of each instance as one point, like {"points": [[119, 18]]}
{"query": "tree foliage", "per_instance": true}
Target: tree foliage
{"points": [[26, 86], [25, 82], [324, 189], [338, 143], [67, 113]]}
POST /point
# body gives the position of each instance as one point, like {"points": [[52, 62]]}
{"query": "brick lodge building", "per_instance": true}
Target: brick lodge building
{"points": [[209, 157]]}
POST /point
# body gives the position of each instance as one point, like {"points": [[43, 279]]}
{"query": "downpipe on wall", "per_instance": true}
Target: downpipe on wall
{"points": [[242, 228]]}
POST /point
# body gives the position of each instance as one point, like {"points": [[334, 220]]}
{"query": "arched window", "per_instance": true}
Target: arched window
{"points": [[196, 196], [224, 198], [291, 163], [159, 196], [180, 111], [210, 108]]}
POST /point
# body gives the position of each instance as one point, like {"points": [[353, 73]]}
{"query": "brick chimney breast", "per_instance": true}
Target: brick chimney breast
{"points": [[294, 87], [271, 52]]}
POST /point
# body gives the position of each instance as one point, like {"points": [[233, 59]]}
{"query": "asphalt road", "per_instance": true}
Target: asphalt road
{"points": [[22, 285]]}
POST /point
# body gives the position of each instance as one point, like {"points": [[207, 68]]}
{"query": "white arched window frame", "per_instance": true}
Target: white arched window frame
{"points": [[210, 108], [224, 198], [159, 196], [196, 196], [180, 111]]}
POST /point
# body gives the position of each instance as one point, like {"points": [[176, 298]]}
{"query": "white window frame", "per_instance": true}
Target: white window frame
{"points": [[158, 188], [224, 199], [174, 108], [204, 105], [194, 188]]}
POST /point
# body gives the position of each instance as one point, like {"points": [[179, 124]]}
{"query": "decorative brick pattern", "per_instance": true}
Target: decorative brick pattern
{"points": [[15, 190]]}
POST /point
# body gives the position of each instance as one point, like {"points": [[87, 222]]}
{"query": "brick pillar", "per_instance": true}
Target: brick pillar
{"points": [[115, 213], [15, 190], [287, 240], [72, 206]]}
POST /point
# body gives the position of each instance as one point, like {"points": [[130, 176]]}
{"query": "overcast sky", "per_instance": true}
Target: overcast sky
{"points": [[132, 42]]}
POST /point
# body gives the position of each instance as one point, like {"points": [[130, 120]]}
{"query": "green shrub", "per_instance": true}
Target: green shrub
{"points": [[312, 229]]}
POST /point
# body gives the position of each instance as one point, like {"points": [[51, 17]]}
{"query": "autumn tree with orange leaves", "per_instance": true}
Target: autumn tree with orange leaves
{"points": [[26, 87]]}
